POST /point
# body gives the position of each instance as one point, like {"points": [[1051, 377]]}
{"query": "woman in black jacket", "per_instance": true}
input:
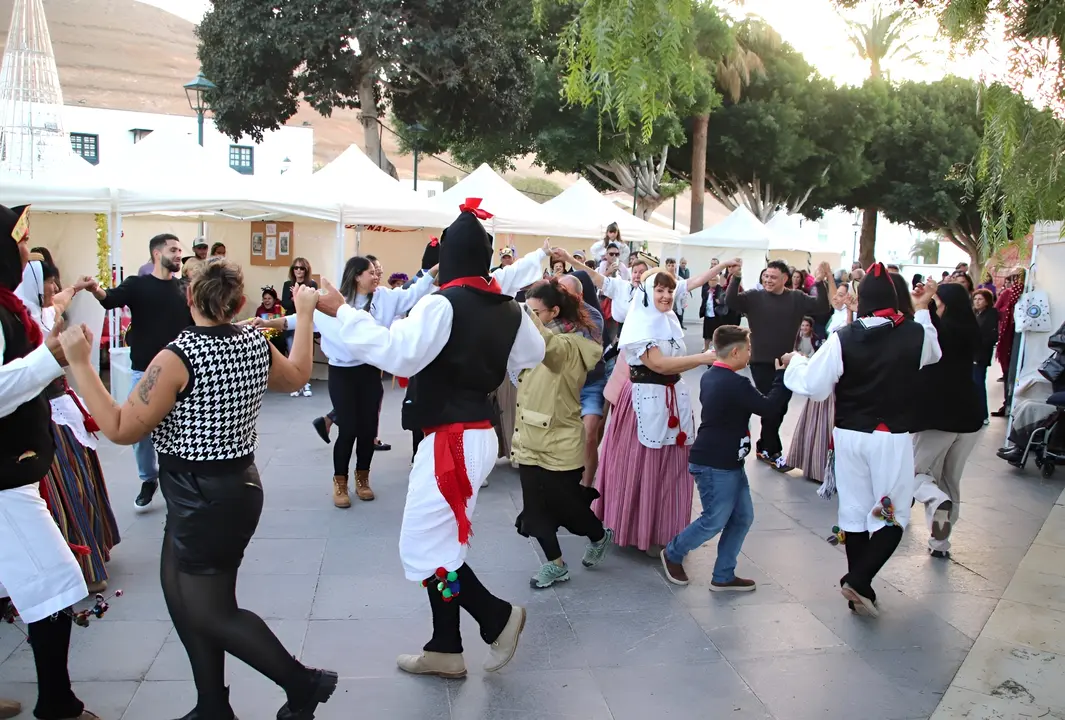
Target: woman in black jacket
{"points": [[987, 321], [946, 425]]}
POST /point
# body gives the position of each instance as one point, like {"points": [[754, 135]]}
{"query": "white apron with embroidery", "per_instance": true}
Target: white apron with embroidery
{"points": [[650, 402]]}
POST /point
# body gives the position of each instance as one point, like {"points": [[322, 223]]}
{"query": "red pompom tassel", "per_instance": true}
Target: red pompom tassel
{"points": [[673, 421], [682, 438], [441, 573], [402, 382]]}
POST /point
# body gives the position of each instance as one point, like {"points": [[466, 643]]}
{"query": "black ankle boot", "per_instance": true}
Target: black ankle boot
{"points": [[303, 702], [208, 708]]}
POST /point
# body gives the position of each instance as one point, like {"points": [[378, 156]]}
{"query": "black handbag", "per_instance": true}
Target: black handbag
{"points": [[1053, 368], [1057, 340]]}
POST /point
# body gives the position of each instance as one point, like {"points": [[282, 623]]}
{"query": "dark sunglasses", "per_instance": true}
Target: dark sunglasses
{"points": [[299, 267], [614, 254]]}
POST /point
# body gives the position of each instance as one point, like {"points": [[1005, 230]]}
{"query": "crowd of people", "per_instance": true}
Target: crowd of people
{"points": [[574, 375]]}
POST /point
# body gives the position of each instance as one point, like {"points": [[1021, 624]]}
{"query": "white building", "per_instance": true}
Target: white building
{"points": [[98, 134]]}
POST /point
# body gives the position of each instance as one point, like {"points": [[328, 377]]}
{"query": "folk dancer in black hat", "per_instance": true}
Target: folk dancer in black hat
{"points": [[37, 567], [873, 365], [456, 346]]}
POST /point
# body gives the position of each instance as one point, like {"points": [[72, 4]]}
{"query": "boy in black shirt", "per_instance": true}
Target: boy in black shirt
{"points": [[159, 311], [723, 442]]}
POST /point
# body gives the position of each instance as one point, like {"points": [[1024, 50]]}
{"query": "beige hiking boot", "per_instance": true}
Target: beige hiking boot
{"points": [[502, 650], [362, 485], [341, 499], [445, 665]]}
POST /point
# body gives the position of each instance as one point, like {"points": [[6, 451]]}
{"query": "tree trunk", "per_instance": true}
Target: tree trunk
{"points": [[371, 129], [867, 241], [647, 204], [698, 187]]}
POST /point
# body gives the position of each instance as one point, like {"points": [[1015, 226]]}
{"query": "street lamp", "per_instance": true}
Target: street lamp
{"points": [[195, 92], [416, 131], [635, 165]]}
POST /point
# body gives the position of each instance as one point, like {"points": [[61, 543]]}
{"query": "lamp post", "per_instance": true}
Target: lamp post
{"points": [[195, 92], [854, 248], [416, 131]]}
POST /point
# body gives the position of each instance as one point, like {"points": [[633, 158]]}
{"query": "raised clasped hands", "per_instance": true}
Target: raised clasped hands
{"points": [[77, 343], [305, 299]]}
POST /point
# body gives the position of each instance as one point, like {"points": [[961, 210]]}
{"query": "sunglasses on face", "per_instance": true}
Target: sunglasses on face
{"points": [[614, 254], [300, 267]]}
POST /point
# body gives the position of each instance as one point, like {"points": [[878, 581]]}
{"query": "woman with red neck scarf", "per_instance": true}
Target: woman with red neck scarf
{"points": [[873, 366], [1007, 301], [37, 567]]}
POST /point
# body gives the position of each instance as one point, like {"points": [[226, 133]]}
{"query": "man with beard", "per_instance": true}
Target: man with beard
{"points": [[37, 568], [159, 312]]}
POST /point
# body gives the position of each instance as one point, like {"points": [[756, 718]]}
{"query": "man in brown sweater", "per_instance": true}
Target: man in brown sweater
{"points": [[774, 314]]}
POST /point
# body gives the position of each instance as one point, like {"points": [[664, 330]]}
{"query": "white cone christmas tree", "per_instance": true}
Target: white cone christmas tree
{"points": [[32, 138]]}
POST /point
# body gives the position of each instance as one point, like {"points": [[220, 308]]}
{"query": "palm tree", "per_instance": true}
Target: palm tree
{"points": [[732, 63], [926, 250], [887, 36]]}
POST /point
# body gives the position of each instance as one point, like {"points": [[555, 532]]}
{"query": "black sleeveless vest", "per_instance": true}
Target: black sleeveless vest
{"points": [[881, 367], [27, 432], [455, 387]]}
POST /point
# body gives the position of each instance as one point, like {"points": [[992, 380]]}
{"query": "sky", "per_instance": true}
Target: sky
{"points": [[813, 27]]}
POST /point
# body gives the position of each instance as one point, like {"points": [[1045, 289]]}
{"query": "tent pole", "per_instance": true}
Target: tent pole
{"points": [[358, 239], [338, 250]]}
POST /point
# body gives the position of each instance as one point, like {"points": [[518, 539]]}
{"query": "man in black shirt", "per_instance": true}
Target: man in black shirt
{"points": [[159, 311]]}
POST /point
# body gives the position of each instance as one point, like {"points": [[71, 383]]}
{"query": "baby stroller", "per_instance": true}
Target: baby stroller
{"points": [[1046, 444]]}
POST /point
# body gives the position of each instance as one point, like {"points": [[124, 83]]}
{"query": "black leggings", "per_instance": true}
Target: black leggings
{"points": [[490, 612], [50, 640], [209, 623], [866, 555], [356, 393]]}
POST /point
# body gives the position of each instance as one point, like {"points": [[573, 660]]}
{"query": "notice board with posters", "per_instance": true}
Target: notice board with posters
{"points": [[273, 244]]}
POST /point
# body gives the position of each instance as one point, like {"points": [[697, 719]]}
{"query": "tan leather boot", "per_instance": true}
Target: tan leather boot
{"points": [[9, 708], [362, 485], [341, 499]]}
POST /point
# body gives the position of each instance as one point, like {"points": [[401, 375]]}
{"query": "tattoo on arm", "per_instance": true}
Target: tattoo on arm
{"points": [[148, 383]]}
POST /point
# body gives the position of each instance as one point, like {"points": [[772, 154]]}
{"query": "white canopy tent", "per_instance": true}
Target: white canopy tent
{"points": [[740, 235], [584, 205], [512, 211], [71, 185]]}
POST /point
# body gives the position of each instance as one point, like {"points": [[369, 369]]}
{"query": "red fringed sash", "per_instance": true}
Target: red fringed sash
{"points": [[449, 459]]}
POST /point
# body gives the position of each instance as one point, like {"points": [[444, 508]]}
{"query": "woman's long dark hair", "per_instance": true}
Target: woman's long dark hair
{"points": [[606, 240], [553, 294], [902, 290], [958, 330], [354, 267]]}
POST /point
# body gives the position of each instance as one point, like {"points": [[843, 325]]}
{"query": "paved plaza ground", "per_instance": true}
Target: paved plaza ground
{"points": [[615, 642]]}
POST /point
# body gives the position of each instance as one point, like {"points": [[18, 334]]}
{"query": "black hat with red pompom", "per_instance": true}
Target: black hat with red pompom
{"points": [[876, 291], [431, 255]]}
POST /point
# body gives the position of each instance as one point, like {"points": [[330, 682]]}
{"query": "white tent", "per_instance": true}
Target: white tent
{"points": [[512, 211], [583, 204], [72, 185], [788, 234], [741, 230], [370, 196]]}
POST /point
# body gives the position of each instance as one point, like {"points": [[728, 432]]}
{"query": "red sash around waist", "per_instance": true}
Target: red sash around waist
{"points": [[449, 460]]}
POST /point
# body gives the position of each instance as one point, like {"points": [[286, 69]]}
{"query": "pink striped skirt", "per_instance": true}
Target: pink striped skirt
{"points": [[809, 442], [645, 494]]}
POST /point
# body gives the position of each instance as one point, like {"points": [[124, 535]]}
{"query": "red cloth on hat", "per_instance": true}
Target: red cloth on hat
{"points": [[449, 460], [488, 284]]}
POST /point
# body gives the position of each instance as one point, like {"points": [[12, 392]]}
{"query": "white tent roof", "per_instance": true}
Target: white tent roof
{"points": [[370, 196], [512, 210], [741, 229], [72, 185], [789, 234], [583, 204]]}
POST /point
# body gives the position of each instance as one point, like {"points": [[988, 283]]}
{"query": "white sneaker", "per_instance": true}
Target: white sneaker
{"points": [[307, 390], [484, 483], [296, 394]]}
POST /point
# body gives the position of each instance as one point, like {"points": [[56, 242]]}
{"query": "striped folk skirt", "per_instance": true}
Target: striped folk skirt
{"points": [[809, 443], [645, 494], [77, 499]]}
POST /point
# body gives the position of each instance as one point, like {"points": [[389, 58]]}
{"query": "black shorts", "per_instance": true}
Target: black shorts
{"points": [[211, 518]]}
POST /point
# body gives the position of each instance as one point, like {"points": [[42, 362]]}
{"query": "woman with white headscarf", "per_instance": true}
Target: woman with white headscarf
{"points": [[646, 491], [74, 487]]}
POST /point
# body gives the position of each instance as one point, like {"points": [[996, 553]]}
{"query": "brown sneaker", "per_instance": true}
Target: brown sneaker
{"points": [[362, 485], [674, 571], [737, 584], [341, 499], [9, 709]]}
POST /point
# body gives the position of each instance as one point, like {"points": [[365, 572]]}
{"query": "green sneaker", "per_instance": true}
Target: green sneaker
{"points": [[549, 575], [597, 551]]}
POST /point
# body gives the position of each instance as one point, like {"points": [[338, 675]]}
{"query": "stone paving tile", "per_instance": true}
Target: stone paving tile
{"points": [[615, 642]]}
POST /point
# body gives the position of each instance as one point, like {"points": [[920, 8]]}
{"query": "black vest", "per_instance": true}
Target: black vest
{"points": [[881, 367], [29, 428], [455, 387]]}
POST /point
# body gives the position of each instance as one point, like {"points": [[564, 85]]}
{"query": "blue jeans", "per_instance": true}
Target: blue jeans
{"points": [[980, 379], [727, 509], [144, 450]]}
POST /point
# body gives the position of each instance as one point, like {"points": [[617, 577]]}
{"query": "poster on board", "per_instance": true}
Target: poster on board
{"points": [[257, 243], [271, 247], [271, 228], [283, 242]]}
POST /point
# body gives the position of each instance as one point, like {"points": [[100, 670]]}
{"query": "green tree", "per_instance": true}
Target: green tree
{"points": [[926, 250], [794, 142], [415, 56]]}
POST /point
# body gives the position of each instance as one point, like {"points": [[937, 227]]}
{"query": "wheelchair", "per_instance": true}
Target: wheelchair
{"points": [[1046, 446]]}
